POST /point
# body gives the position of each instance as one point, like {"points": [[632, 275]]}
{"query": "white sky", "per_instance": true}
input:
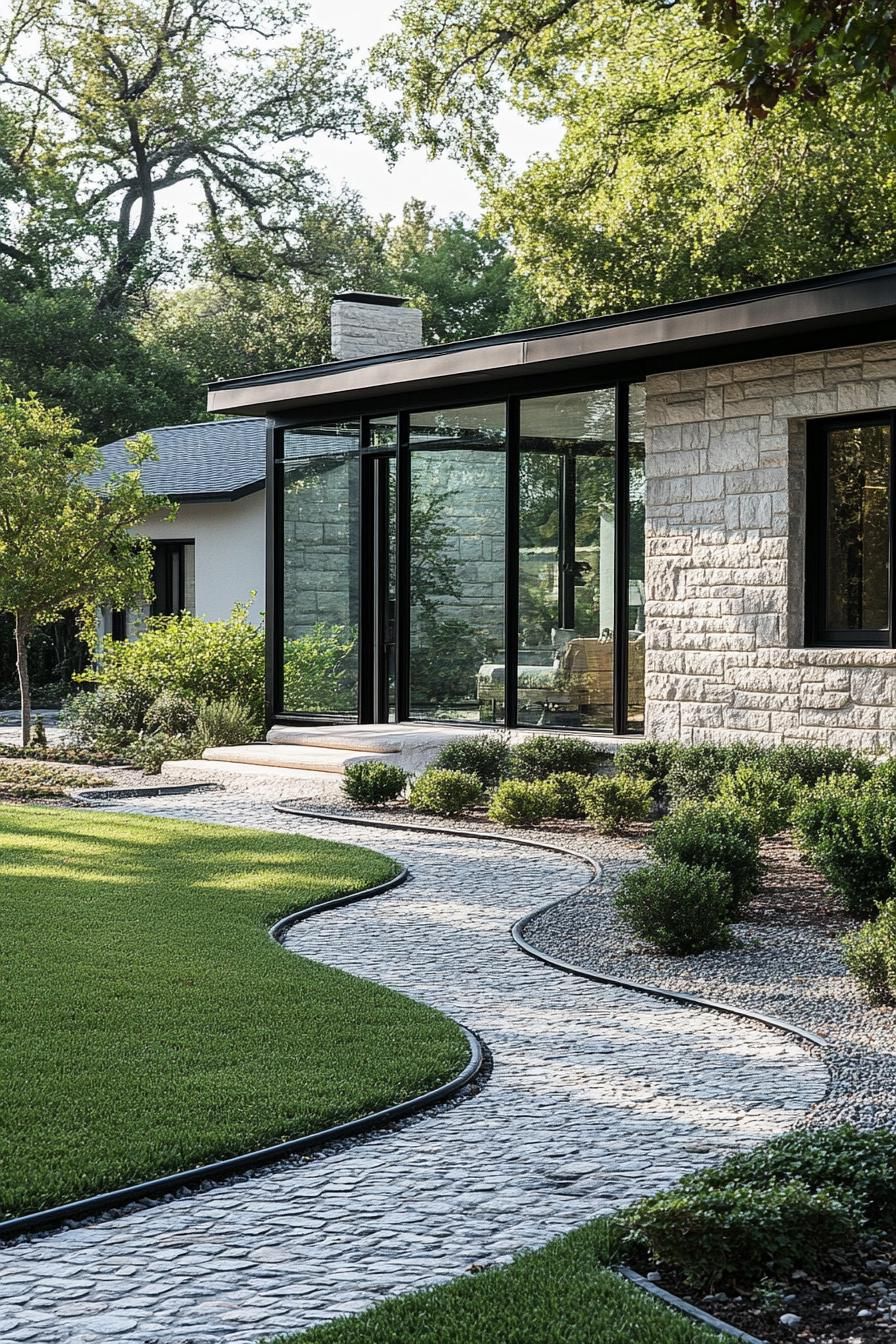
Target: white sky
{"points": [[442, 183]]}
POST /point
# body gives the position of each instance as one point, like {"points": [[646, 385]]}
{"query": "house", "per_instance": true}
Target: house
{"points": [[678, 520]]}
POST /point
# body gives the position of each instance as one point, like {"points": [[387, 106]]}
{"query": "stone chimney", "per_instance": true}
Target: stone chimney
{"points": [[373, 324]]}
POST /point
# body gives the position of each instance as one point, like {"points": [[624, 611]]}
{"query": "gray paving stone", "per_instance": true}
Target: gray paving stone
{"points": [[598, 1096]]}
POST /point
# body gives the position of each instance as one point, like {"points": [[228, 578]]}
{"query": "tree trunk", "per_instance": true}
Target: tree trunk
{"points": [[23, 639]]}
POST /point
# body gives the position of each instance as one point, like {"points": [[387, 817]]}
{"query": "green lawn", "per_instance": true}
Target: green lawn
{"points": [[564, 1294], [147, 1021]]}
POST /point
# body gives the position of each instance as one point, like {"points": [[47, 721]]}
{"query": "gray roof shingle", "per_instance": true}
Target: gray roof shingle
{"points": [[221, 459]]}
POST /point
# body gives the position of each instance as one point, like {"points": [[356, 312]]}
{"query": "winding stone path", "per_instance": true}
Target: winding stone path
{"points": [[598, 1096]]}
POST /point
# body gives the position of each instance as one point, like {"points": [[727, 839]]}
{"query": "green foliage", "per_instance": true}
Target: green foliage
{"points": [[370, 783], [485, 755], [171, 712], [733, 1222], [38, 736], [202, 659], [679, 907], [649, 760], [519, 802], [848, 830], [870, 954], [107, 719], [445, 792], [714, 836], [694, 772], [539, 757], [447, 659], [197, 1035], [151, 752], [226, 723], [20, 782], [612, 800], [319, 670], [809, 765], [741, 1234], [566, 792], [769, 797]]}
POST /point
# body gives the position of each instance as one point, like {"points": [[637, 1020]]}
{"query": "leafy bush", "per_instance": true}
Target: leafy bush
{"points": [[566, 794], [149, 753], [445, 792], [108, 718], [21, 783], [649, 760], [848, 830], [714, 836], [225, 723], [485, 755], [521, 802], [809, 765], [613, 799], [768, 796], [203, 659], [373, 782], [38, 735], [694, 773], [743, 1233], [172, 713], [883, 777], [319, 670], [870, 954], [677, 906], [538, 757]]}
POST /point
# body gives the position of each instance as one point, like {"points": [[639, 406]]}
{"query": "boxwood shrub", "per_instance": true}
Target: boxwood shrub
{"points": [[611, 800], [566, 793], [485, 755], [371, 783], [538, 757], [445, 792], [714, 835], [870, 954], [848, 830], [680, 908], [521, 802], [767, 795]]}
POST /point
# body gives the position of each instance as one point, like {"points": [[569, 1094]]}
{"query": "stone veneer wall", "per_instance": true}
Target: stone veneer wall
{"points": [[726, 465]]}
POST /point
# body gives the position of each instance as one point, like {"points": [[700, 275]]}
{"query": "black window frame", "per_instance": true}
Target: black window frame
{"points": [[403, 409], [162, 552], [817, 633]]}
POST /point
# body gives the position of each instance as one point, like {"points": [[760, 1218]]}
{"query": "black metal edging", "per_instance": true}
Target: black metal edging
{"points": [[516, 932], [261, 1157], [142, 791], [686, 1308]]}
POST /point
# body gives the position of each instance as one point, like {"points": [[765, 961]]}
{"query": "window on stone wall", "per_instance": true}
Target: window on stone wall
{"points": [[849, 532]]}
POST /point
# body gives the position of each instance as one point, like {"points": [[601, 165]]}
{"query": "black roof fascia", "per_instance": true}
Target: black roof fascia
{"points": [[796, 315], [213, 496]]}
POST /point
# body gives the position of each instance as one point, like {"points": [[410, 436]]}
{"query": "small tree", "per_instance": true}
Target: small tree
{"points": [[63, 546]]}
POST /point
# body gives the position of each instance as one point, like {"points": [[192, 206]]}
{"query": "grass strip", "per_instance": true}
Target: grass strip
{"points": [[148, 1023], [563, 1294]]}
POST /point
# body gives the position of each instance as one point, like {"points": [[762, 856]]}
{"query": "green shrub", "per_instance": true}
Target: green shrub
{"points": [[611, 800], [373, 782], [107, 719], [226, 723], [445, 792], [883, 776], [485, 755], [740, 1234], [38, 735], [651, 761], [714, 835], [870, 954], [171, 712], [521, 802], [848, 830], [809, 765], [149, 753], [694, 773], [566, 794], [213, 660], [678, 907], [767, 795], [538, 757], [320, 670]]}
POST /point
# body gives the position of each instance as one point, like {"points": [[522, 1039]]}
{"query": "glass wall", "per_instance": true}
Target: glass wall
{"points": [[320, 569], [636, 575], [567, 560], [457, 470]]}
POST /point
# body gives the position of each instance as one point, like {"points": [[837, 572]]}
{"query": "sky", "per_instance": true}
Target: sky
{"points": [[443, 183]]}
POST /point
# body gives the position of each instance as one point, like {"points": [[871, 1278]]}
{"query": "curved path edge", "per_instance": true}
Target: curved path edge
{"points": [[686, 1308], [81, 1209], [802, 1034]]}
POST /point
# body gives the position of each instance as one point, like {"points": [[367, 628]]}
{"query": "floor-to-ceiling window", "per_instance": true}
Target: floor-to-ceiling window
{"points": [[320, 569], [457, 477]]}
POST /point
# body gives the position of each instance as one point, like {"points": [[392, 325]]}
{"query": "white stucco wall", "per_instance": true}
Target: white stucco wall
{"points": [[229, 555]]}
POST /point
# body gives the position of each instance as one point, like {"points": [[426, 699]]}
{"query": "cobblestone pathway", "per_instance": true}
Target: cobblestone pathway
{"points": [[598, 1096]]}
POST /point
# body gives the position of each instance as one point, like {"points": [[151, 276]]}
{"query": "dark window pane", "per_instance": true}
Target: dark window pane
{"points": [[857, 528], [636, 624]]}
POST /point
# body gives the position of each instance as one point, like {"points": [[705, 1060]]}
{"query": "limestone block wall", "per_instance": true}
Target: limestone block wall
{"points": [[725, 529]]}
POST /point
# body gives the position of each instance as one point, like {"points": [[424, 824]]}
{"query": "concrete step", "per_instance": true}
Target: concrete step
{"points": [[326, 760], [267, 779]]}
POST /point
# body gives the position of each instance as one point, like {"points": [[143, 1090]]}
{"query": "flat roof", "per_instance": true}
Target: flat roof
{"points": [[801, 315]]}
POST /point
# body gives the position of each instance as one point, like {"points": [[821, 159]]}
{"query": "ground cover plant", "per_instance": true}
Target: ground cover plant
{"points": [[148, 1021], [20, 781]]}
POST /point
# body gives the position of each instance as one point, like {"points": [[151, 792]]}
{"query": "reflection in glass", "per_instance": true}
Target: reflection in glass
{"points": [[457, 564], [567, 560], [857, 542], [320, 569], [636, 587]]}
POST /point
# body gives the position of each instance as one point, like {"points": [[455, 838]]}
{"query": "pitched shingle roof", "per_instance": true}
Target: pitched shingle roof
{"points": [[222, 459]]}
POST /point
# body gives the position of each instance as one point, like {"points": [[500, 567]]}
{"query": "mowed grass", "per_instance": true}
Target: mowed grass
{"points": [[148, 1023], [563, 1294]]}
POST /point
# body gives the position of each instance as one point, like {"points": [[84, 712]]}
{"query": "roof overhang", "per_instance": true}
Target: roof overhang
{"points": [[799, 316]]}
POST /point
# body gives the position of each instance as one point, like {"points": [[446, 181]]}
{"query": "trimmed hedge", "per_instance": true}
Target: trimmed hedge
{"points": [[713, 835], [445, 792], [485, 755], [680, 908]]}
